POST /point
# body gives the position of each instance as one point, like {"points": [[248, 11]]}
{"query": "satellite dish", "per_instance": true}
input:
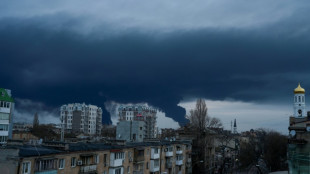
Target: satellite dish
{"points": [[292, 133]]}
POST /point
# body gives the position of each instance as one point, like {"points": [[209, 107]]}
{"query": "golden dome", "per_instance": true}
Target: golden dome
{"points": [[299, 90]]}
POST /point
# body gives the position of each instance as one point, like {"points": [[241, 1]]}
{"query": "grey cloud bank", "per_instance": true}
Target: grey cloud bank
{"points": [[159, 52]]}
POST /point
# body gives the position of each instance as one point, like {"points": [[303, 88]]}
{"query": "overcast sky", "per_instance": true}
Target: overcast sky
{"points": [[244, 57]]}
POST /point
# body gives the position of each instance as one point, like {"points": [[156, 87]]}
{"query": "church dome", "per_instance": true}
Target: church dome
{"points": [[299, 90]]}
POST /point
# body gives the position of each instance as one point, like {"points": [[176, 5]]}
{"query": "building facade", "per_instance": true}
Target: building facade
{"points": [[6, 115], [143, 117], [84, 158], [81, 118]]}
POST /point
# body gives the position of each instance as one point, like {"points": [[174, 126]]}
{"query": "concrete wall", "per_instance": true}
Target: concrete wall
{"points": [[9, 161], [128, 130]]}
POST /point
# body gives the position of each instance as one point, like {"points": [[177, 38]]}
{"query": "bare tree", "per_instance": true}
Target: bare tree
{"points": [[200, 119], [202, 123]]}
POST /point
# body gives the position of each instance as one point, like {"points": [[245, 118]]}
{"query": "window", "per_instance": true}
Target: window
{"points": [[45, 164], [119, 155], [105, 160], [61, 163], [147, 165], [156, 163], [118, 171], [96, 159], [156, 150], [73, 162], [134, 137], [4, 116], [140, 128], [4, 127], [26, 168], [3, 139], [128, 169], [299, 100]]}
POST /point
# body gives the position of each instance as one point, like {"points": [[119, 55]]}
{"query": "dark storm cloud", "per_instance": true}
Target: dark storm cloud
{"points": [[57, 66]]}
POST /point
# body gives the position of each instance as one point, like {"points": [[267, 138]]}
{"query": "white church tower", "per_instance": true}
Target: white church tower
{"points": [[299, 102]]}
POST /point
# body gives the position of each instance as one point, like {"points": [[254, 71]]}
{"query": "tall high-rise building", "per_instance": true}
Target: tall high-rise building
{"points": [[136, 123], [81, 118], [6, 115]]}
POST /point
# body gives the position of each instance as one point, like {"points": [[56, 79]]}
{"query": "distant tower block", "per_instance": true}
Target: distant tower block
{"points": [[231, 128], [299, 102], [235, 127]]}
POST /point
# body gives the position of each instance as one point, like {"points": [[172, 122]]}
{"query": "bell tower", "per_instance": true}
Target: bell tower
{"points": [[299, 102]]}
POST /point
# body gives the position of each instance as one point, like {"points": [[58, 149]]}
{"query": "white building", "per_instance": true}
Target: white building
{"points": [[81, 118], [6, 115], [136, 123]]}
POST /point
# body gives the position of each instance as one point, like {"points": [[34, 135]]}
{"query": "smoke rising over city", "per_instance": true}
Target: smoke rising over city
{"points": [[56, 54]]}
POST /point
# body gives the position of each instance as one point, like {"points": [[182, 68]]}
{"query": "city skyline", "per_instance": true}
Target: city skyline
{"points": [[244, 58]]}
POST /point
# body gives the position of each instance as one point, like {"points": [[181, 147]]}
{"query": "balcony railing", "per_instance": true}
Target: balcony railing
{"points": [[116, 162], [179, 162], [87, 169], [179, 151], [169, 153]]}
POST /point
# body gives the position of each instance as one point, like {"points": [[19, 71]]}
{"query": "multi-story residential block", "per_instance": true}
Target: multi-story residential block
{"points": [[81, 118], [6, 115], [85, 158], [136, 123]]}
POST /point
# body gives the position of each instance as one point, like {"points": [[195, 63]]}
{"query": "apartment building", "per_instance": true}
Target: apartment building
{"points": [[136, 123], [6, 115], [81, 118], [86, 158]]}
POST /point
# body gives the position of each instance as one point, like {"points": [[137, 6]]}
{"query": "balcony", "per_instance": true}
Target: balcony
{"points": [[88, 169], [179, 162], [5, 110], [138, 155], [169, 164], [154, 167], [116, 170], [179, 151], [116, 163], [169, 153], [138, 159], [155, 153]]}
